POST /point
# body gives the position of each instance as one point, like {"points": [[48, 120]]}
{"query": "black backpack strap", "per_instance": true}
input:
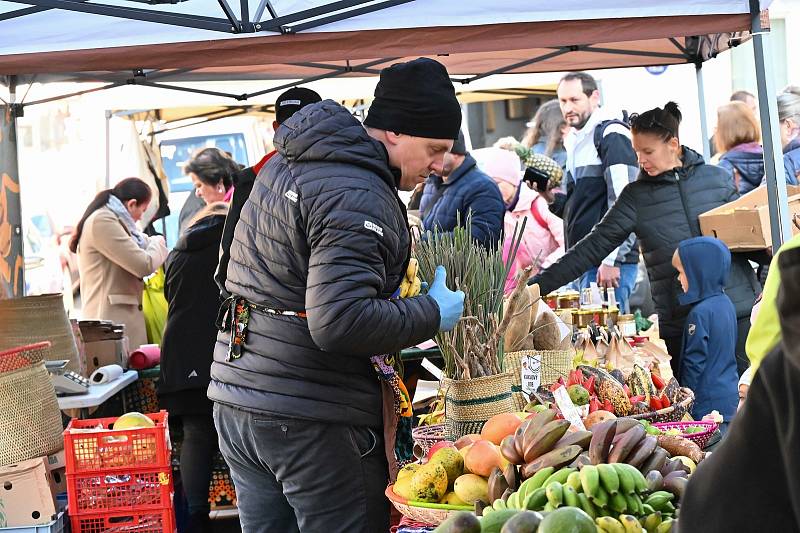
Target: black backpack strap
{"points": [[600, 129]]}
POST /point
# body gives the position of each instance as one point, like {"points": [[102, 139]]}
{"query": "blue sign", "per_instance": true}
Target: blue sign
{"points": [[656, 71]]}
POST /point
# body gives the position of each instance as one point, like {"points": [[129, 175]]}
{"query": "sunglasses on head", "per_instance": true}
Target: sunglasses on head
{"points": [[649, 123]]}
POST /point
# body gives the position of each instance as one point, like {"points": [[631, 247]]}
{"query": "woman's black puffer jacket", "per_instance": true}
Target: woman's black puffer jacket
{"points": [[662, 210]]}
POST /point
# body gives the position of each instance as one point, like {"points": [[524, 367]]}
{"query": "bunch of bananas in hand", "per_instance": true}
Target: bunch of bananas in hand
{"points": [[411, 284]]}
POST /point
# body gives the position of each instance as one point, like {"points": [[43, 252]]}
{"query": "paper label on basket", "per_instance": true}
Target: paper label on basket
{"points": [[433, 369], [531, 373], [568, 408], [564, 329]]}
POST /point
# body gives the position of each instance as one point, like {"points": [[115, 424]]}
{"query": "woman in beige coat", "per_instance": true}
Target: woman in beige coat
{"points": [[114, 256]]}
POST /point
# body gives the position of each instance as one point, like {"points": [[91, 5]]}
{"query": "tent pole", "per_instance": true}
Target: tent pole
{"points": [[701, 100], [773, 153], [108, 149], [12, 272]]}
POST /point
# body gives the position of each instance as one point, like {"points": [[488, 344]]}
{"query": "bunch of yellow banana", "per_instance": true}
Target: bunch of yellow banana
{"points": [[411, 284]]}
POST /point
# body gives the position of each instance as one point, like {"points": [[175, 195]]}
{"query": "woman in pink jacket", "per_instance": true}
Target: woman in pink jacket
{"points": [[543, 240]]}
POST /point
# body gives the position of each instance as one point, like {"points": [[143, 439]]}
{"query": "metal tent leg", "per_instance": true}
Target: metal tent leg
{"points": [[12, 263], [701, 99], [773, 153]]}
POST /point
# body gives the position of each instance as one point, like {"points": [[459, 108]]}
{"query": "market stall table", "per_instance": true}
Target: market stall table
{"points": [[97, 394]]}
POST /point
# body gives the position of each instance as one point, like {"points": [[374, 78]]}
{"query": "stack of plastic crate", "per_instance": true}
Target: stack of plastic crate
{"points": [[119, 479]]}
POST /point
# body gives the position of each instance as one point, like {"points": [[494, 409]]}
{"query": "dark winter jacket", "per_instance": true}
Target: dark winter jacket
{"points": [[323, 232], [188, 345], [662, 210], [762, 441], [467, 188], [242, 186], [745, 164], [791, 162], [708, 360]]}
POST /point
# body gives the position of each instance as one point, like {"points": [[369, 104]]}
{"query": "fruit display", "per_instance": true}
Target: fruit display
{"points": [[616, 474], [641, 392]]}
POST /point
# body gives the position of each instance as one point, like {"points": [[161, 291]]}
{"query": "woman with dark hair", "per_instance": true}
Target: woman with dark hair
{"points": [[187, 351], [211, 171], [546, 132], [662, 208], [114, 256]]}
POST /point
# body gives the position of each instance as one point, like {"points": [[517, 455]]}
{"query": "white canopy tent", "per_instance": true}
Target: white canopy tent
{"points": [[155, 43]]}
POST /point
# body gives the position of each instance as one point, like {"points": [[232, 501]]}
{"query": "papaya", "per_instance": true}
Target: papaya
{"points": [[494, 522], [460, 522]]}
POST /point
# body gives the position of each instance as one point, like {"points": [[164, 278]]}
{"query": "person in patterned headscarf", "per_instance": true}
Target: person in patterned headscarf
{"points": [[542, 241]]}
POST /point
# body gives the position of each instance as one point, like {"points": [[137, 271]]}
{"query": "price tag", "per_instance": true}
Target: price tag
{"points": [[531, 373], [568, 408], [433, 369]]}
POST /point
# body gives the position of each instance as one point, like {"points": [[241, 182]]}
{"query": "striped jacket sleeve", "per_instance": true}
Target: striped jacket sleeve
{"points": [[620, 167]]}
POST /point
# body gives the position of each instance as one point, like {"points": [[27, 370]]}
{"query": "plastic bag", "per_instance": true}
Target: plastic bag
{"points": [[154, 306]]}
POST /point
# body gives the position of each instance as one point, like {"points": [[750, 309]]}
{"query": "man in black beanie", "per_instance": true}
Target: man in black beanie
{"points": [[307, 405]]}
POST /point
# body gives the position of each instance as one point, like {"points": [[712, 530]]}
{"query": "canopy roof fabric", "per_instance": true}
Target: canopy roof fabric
{"points": [[312, 39]]}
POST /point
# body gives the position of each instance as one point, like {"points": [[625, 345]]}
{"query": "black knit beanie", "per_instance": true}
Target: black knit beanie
{"points": [[416, 98]]}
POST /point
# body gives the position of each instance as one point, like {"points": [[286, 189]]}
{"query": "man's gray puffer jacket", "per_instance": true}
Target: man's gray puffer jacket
{"points": [[323, 232]]}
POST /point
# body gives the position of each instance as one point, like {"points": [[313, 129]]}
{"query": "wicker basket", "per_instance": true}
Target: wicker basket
{"points": [[30, 425], [425, 437], [701, 439], [433, 513], [469, 403], [34, 318], [23, 356], [555, 364], [673, 413]]}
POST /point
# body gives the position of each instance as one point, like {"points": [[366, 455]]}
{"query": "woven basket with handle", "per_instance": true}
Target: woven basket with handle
{"points": [[30, 425], [555, 364], [673, 413], [469, 403]]}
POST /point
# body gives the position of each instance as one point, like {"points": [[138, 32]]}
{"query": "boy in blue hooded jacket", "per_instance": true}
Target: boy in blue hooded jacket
{"points": [[708, 361]]}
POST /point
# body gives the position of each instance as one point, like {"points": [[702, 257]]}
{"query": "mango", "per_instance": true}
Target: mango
{"points": [[452, 462], [470, 488], [429, 483], [451, 498], [402, 487], [408, 471], [482, 457]]}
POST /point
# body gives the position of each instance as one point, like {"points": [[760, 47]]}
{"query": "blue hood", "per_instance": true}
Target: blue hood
{"points": [[707, 263]]}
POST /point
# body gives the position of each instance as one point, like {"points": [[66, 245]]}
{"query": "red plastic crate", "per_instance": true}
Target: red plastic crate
{"points": [[93, 446], [138, 491], [157, 521]]}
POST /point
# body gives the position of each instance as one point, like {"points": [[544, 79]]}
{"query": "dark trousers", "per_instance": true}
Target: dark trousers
{"points": [[197, 455], [296, 475]]}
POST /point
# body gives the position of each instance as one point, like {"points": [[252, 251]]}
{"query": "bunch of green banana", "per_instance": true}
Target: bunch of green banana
{"points": [[603, 490], [629, 524], [532, 493], [411, 284]]}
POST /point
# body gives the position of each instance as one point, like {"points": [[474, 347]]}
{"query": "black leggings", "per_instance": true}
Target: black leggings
{"points": [[200, 445]]}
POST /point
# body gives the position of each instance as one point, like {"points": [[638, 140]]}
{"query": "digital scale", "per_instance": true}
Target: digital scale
{"points": [[66, 382]]}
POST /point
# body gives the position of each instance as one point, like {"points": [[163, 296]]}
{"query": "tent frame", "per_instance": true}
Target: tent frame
{"points": [[306, 19], [344, 9]]}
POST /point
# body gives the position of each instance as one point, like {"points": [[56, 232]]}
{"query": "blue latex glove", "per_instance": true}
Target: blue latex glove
{"points": [[451, 304]]}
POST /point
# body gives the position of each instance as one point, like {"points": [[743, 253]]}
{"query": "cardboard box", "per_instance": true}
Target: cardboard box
{"points": [[744, 224], [106, 352], [57, 469], [25, 497]]}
